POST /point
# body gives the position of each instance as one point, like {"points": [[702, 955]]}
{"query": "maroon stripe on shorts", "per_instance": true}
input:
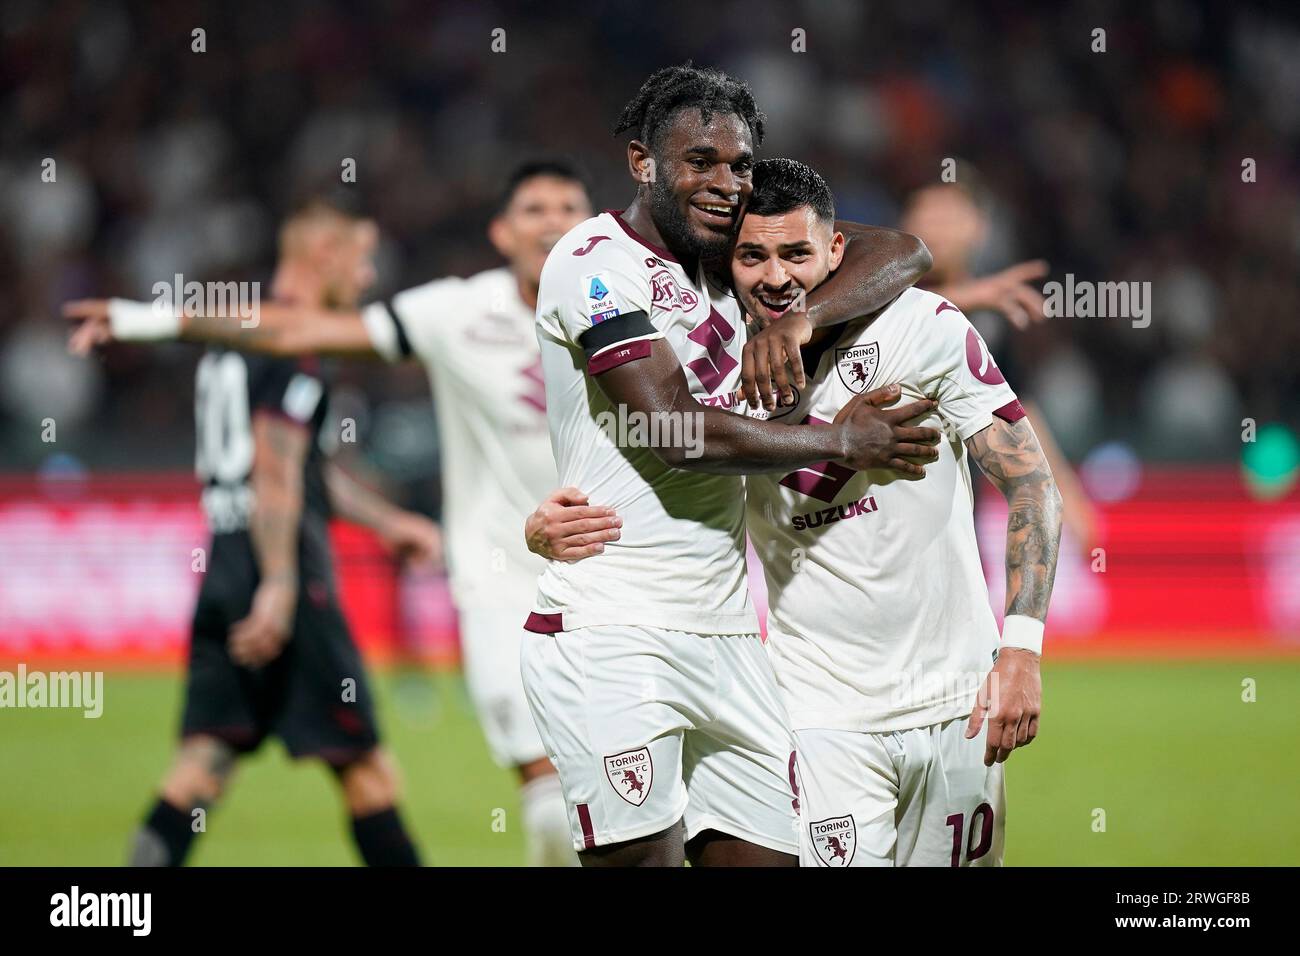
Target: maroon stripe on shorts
{"points": [[588, 834], [544, 623]]}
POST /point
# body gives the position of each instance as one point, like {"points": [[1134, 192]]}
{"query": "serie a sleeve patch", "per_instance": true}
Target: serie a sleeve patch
{"points": [[601, 304]]}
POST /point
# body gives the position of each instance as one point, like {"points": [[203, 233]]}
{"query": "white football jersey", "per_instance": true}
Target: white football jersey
{"points": [[605, 295], [475, 337], [878, 613]]}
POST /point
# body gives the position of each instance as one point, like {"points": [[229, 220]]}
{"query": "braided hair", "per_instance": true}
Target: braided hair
{"points": [[675, 88]]}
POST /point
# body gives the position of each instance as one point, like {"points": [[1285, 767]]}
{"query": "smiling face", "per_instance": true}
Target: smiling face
{"points": [[780, 257], [702, 177], [542, 209]]}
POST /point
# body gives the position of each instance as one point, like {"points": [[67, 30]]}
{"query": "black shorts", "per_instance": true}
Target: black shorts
{"points": [[314, 696]]}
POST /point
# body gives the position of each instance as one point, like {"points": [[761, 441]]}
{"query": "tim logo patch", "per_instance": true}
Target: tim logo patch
{"points": [[857, 365], [631, 774], [834, 840]]}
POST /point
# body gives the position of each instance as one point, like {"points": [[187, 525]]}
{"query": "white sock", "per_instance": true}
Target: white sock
{"points": [[546, 823]]}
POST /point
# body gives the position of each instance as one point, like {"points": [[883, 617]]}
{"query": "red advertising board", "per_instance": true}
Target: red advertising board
{"points": [[105, 568]]}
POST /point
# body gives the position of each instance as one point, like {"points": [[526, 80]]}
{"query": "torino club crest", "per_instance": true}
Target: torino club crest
{"points": [[857, 365], [631, 774], [834, 840]]}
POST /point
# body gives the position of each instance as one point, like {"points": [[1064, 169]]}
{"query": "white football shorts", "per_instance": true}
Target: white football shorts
{"points": [[650, 726], [918, 797]]}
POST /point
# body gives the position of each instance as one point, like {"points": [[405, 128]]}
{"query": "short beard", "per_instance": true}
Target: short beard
{"points": [[757, 320], [675, 229]]}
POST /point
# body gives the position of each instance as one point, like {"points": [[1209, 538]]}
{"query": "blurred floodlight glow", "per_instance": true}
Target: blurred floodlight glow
{"points": [[1271, 462], [1111, 472]]}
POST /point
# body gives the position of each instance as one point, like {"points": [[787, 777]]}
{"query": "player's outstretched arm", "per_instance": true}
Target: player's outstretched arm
{"points": [[862, 436], [279, 448], [409, 535], [1012, 292], [1011, 699], [275, 329], [879, 265], [566, 527]]}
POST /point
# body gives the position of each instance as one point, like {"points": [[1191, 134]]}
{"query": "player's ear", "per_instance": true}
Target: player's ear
{"points": [[837, 250], [640, 162], [500, 237]]}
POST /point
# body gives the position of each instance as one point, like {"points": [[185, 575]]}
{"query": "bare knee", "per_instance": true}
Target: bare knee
{"points": [[200, 773], [370, 783]]}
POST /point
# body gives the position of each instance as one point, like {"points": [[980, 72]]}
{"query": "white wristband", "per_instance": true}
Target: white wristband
{"points": [[142, 321], [1019, 630]]}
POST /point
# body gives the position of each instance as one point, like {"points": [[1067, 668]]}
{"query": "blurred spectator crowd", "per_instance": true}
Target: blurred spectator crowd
{"points": [[1125, 165]]}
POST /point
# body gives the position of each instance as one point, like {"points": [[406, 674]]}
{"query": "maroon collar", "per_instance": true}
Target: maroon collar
{"points": [[660, 251]]}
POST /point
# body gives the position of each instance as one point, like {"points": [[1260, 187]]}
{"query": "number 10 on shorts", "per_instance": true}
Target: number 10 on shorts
{"points": [[981, 829]]}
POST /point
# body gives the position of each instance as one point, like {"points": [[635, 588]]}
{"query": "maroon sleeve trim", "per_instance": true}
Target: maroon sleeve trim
{"points": [[1012, 411], [544, 623], [617, 355]]}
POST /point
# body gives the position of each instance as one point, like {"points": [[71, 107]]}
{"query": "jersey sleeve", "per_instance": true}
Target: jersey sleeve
{"points": [[970, 387], [287, 388], [414, 321], [603, 306]]}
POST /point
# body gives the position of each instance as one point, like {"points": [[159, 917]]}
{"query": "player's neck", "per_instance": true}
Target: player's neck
{"points": [[640, 220], [527, 291]]}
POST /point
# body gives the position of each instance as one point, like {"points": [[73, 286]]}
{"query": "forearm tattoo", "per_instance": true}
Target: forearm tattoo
{"points": [[1008, 453]]}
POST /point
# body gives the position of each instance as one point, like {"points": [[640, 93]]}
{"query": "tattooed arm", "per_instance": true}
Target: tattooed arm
{"points": [[1009, 454], [279, 448]]}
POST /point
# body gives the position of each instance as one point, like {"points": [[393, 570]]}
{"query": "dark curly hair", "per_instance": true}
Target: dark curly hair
{"points": [[676, 88]]}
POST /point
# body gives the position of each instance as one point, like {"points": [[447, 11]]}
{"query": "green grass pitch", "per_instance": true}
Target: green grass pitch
{"points": [[1184, 771]]}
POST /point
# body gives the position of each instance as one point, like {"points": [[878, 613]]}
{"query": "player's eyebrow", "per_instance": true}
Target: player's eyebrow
{"points": [[712, 151], [799, 245]]}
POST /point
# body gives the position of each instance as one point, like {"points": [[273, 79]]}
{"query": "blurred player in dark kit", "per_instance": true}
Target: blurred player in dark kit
{"points": [[271, 654]]}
